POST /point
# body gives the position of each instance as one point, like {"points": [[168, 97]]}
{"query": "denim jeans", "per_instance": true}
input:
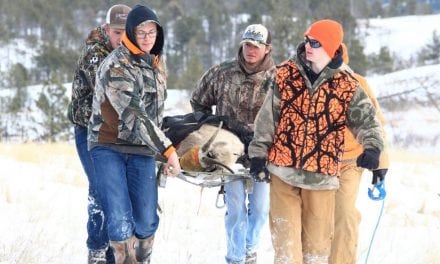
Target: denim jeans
{"points": [[243, 221], [97, 238], [127, 185]]}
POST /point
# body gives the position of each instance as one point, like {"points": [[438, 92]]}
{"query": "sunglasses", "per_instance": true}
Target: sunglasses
{"points": [[313, 42]]}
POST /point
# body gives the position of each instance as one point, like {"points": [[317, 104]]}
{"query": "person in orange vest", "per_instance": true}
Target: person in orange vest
{"points": [[299, 142], [347, 216]]}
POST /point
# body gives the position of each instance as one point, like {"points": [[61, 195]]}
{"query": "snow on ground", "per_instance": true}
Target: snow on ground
{"points": [[416, 128], [43, 215], [17, 51], [43, 203], [43, 209], [404, 36]]}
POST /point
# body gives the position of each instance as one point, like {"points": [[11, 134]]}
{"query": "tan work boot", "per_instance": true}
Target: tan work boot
{"points": [[124, 251], [143, 249]]}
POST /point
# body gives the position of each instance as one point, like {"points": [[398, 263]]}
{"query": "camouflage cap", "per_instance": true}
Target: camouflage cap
{"points": [[257, 35], [117, 16]]}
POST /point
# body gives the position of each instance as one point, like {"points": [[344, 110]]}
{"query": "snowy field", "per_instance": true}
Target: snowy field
{"points": [[43, 190], [44, 196], [403, 36]]}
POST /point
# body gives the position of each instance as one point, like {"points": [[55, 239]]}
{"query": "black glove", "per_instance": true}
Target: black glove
{"points": [[379, 174], [244, 160], [246, 139], [369, 159], [259, 171]]}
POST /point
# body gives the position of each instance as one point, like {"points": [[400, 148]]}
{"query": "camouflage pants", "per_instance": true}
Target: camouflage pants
{"points": [[347, 217], [301, 223]]}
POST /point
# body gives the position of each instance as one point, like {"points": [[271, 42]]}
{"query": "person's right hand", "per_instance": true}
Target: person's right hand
{"points": [[258, 170], [172, 167]]}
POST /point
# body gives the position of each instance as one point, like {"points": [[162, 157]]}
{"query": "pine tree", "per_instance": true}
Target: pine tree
{"points": [[287, 28], [358, 60], [55, 63], [193, 70], [377, 9], [53, 103], [411, 7], [381, 63], [430, 54], [395, 8], [18, 79], [360, 8]]}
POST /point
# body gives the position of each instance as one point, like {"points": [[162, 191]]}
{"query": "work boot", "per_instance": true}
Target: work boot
{"points": [[251, 258], [124, 251], [143, 248], [97, 256], [109, 256]]}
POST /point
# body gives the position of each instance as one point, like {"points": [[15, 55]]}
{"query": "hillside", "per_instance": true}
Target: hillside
{"points": [[403, 36], [43, 190], [405, 95], [410, 101]]}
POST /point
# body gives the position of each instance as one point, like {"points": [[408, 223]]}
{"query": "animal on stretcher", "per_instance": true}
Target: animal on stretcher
{"points": [[208, 152]]}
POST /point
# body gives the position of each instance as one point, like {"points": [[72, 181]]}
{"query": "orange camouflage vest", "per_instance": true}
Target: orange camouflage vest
{"points": [[310, 133]]}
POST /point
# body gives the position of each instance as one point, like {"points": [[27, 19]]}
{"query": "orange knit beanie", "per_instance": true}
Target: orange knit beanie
{"points": [[328, 32]]}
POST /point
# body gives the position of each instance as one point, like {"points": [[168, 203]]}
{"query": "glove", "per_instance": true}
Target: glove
{"points": [[369, 159], [258, 170], [379, 174], [244, 160], [246, 139]]}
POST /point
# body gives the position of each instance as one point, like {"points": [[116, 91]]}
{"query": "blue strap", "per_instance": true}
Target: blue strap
{"points": [[380, 194]]}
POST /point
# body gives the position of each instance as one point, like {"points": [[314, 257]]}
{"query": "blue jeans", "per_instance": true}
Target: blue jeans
{"points": [[127, 185], [244, 222], [97, 238]]}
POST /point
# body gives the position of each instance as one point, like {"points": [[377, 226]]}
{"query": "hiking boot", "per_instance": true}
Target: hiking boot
{"points": [[124, 251], [251, 258], [97, 256], [143, 249]]}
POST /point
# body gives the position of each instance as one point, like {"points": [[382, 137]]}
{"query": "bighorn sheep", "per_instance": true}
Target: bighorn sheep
{"points": [[211, 148]]}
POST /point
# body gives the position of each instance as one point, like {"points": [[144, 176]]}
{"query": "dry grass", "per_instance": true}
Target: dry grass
{"points": [[43, 188], [45, 153], [34, 152], [43, 202], [404, 155], [60, 158]]}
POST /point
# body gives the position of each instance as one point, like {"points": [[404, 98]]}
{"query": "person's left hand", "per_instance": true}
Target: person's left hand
{"points": [[369, 159]]}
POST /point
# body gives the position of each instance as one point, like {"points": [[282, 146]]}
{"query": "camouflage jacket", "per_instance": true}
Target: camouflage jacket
{"points": [[235, 91], [359, 117], [97, 47], [128, 104]]}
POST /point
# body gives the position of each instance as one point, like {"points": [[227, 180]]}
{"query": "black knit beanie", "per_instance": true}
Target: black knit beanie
{"points": [[137, 15]]}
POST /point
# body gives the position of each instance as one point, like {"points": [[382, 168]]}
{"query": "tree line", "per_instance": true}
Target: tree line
{"points": [[199, 33]]}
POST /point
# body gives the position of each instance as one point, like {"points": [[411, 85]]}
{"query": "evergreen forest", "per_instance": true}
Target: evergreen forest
{"points": [[199, 34]]}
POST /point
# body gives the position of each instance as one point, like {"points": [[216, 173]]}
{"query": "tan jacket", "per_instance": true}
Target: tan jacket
{"points": [[352, 148]]}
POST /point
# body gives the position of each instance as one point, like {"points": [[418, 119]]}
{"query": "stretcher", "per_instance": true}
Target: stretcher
{"points": [[211, 179]]}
